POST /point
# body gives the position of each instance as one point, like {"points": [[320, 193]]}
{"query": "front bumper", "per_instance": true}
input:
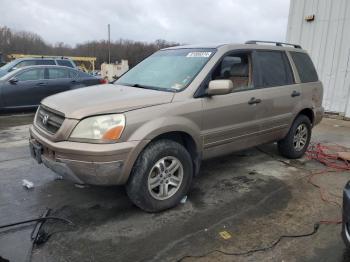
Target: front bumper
{"points": [[85, 163]]}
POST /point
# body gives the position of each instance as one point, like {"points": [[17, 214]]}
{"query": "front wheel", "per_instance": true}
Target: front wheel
{"points": [[161, 176], [295, 144]]}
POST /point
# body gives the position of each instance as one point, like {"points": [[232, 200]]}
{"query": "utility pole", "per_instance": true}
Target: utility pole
{"points": [[109, 43]]}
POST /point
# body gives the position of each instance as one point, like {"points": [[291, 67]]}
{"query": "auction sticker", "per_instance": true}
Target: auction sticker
{"points": [[198, 54]]}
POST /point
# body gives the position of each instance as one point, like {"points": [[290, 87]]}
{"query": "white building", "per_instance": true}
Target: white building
{"points": [[113, 71], [322, 27]]}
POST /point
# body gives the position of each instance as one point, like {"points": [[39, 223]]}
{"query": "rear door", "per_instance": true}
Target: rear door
{"points": [[26, 91], [59, 80], [279, 94]]}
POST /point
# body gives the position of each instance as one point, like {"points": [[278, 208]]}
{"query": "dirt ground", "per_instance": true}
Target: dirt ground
{"points": [[239, 202]]}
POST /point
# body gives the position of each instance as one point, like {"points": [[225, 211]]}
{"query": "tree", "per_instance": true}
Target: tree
{"points": [[30, 43]]}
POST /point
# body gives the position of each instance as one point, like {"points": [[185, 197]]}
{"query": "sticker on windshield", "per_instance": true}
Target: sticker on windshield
{"points": [[198, 54]]}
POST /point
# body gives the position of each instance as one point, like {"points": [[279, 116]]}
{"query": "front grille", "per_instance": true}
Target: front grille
{"points": [[48, 120]]}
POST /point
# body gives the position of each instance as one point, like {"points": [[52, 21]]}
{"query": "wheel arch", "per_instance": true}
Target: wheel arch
{"points": [[187, 141], [309, 113]]}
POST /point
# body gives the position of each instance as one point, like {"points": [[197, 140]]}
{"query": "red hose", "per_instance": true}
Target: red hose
{"points": [[328, 156]]}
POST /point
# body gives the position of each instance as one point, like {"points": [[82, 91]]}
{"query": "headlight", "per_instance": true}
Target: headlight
{"points": [[105, 128]]}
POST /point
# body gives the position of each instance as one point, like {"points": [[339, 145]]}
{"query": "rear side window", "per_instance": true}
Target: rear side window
{"points": [[58, 73], [64, 63], [84, 75], [273, 69], [305, 67], [45, 62]]}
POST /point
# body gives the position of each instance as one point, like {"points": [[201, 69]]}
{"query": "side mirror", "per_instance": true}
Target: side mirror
{"points": [[219, 87], [13, 80], [13, 69]]}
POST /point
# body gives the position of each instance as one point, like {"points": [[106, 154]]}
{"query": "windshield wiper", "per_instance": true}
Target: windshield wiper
{"points": [[149, 87]]}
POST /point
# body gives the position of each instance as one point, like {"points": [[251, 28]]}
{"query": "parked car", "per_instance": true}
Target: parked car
{"points": [[346, 215], [151, 129], [26, 87], [22, 62]]}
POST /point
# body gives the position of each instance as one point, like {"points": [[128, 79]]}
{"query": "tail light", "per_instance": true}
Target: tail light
{"points": [[103, 81]]}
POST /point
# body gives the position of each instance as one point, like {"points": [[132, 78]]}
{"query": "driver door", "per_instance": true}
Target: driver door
{"points": [[24, 89]]}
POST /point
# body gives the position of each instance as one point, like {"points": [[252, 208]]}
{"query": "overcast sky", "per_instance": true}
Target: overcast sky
{"points": [[183, 21]]}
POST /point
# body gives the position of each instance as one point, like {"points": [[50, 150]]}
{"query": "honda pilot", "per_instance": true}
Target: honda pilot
{"points": [[151, 129]]}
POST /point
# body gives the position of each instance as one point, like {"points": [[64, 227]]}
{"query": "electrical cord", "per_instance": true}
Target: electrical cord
{"points": [[38, 237], [249, 252], [317, 152], [37, 220]]}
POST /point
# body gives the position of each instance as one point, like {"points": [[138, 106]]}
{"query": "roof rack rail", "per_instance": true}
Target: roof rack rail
{"points": [[272, 42]]}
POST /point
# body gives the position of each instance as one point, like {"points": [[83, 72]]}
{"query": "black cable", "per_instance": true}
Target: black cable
{"points": [[316, 227], [36, 220]]}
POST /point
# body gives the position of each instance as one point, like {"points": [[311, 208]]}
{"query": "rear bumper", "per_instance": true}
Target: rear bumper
{"points": [[84, 163], [319, 112]]}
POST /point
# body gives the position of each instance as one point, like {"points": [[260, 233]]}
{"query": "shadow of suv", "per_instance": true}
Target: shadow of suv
{"points": [[151, 129]]}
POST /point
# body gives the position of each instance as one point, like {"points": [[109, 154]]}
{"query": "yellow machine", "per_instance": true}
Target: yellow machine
{"points": [[85, 63]]}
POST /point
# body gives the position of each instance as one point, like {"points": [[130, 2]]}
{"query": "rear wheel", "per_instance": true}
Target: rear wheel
{"points": [[298, 138], [161, 176]]}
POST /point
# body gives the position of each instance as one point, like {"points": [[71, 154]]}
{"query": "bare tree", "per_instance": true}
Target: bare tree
{"points": [[30, 43]]}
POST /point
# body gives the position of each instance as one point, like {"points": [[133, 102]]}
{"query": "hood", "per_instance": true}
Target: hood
{"points": [[104, 99]]}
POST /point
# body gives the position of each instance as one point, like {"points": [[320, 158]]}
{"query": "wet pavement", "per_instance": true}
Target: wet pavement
{"points": [[253, 196]]}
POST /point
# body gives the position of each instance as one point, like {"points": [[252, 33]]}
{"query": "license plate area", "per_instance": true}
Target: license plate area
{"points": [[36, 150]]}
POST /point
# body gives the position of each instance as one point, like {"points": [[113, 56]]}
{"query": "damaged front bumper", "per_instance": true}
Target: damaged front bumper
{"points": [[84, 163]]}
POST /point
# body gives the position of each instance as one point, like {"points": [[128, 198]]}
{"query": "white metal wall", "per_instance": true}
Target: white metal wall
{"points": [[327, 39]]}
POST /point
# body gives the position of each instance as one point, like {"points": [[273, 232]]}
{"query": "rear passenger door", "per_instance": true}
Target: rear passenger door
{"points": [[59, 80], [278, 92]]}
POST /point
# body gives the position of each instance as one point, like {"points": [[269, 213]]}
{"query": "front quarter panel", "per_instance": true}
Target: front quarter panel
{"points": [[148, 123]]}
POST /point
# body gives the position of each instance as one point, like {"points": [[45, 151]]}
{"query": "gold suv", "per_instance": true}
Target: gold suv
{"points": [[151, 129]]}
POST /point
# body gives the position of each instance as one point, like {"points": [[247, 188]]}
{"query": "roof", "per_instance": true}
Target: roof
{"points": [[248, 45], [45, 66], [42, 58]]}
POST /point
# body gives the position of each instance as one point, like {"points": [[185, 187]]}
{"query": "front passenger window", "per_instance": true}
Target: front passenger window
{"points": [[236, 68]]}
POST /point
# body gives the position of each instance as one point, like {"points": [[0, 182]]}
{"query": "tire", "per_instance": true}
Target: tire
{"points": [[142, 186], [288, 147]]}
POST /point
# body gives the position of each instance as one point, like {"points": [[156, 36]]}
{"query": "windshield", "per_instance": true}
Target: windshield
{"points": [[168, 69], [8, 66]]}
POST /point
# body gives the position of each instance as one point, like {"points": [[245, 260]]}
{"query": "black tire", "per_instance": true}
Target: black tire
{"points": [[137, 185], [287, 147]]}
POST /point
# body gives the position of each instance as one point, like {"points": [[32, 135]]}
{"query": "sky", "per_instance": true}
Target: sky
{"points": [[182, 21]]}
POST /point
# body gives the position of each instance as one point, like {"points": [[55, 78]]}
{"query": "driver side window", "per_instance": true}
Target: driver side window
{"points": [[237, 68], [32, 74]]}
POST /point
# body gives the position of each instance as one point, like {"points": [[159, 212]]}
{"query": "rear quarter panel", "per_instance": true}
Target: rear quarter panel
{"points": [[312, 95]]}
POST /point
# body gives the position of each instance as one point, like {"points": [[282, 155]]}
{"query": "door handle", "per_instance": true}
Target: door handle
{"points": [[40, 84], [254, 101], [295, 93], [74, 81]]}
